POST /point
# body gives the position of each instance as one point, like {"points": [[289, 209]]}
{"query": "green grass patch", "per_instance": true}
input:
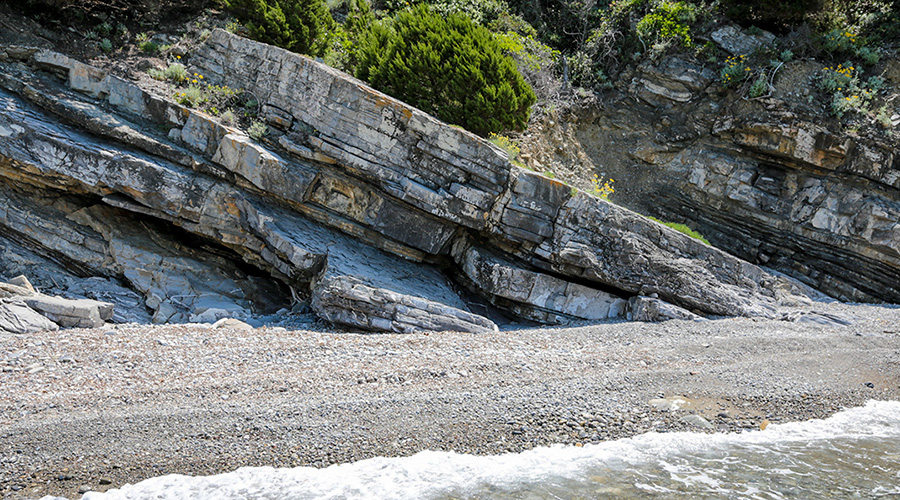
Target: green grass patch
{"points": [[681, 228]]}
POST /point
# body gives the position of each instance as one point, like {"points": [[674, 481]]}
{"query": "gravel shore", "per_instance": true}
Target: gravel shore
{"points": [[94, 409]]}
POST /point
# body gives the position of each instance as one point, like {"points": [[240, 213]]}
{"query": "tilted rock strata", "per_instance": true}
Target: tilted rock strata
{"points": [[432, 166], [342, 157], [771, 180]]}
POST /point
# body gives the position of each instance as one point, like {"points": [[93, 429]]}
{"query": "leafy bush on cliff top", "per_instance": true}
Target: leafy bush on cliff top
{"points": [[447, 66], [302, 26]]}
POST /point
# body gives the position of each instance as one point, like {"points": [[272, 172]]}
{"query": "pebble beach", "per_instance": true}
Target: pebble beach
{"points": [[93, 409]]}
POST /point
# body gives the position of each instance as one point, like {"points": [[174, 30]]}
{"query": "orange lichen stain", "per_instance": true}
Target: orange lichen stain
{"points": [[231, 207], [381, 102]]}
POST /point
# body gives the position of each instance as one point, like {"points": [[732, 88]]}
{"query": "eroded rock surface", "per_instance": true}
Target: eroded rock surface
{"points": [[771, 180], [356, 200]]}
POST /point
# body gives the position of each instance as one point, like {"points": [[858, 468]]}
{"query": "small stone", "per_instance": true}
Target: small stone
{"points": [[105, 480], [83, 489], [23, 282], [232, 323], [697, 421], [667, 404], [870, 385]]}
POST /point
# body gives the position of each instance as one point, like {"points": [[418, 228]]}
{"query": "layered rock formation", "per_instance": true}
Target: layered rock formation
{"points": [[25, 310], [357, 201], [771, 180]]}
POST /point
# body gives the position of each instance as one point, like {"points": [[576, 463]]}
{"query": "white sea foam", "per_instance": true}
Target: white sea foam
{"points": [[660, 463]]}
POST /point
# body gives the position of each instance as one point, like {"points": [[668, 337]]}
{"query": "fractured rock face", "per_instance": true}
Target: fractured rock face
{"points": [[355, 199], [765, 179]]}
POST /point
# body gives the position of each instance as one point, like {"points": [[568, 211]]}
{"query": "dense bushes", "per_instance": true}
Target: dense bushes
{"points": [[770, 14], [448, 66], [303, 26]]}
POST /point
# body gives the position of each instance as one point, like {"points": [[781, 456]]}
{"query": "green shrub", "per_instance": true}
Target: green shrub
{"points": [[839, 41], [668, 21], [506, 144], [105, 45], [447, 66], [149, 47], [482, 12], [174, 72], [228, 117], [868, 56], [192, 96], [538, 64], [257, 130], [104, 28], [302, 26], [735, 71], [759, 87], [770, 14], [847, 93], [839, 78]]}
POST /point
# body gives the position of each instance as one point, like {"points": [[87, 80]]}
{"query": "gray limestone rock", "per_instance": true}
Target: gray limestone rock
{"points": [[129, 305], [22, 281], [697, 421], [735, 41], [17, 317], [652, 310], [537, 296], [358, 201], [79, 313], [349, 301]]}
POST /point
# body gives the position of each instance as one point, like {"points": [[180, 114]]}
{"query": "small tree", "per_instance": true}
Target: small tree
{"points": [[447, 66], [302, 26]]}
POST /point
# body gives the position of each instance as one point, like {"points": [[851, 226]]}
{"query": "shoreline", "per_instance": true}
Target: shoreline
{"points": [[96, 409]]}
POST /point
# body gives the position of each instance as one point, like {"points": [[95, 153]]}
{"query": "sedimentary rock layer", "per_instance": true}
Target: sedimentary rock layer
{"points": [[355, 199]]}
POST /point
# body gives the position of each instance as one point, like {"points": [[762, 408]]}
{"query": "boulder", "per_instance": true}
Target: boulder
{"points": [[22, 281], [17, 317], [736, 41], [349, 301], [651, 310], [78, 313]]}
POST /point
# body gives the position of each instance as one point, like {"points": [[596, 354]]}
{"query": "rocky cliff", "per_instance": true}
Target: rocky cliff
{"points": [[381, 216], [773, 180]]}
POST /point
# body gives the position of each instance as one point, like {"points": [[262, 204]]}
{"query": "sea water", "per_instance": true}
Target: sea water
{"points": [[853, 454]]}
